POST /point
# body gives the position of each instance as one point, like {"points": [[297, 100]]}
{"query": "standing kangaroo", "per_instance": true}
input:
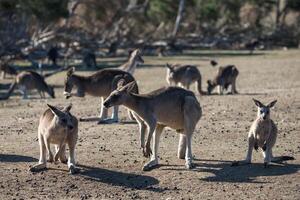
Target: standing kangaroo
{"points": [[225, 76], [59, 127], [263, 134], [134, 60], [30, 80], [174, 107], [99, 84], [184, 75]]}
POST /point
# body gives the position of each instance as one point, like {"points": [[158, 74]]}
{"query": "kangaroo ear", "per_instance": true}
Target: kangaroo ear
{"points": [[130, 86], [258, 103], [71, 71], [120, 83], [55, 110], [130, 52], [68, 108], [270, 105], [169, 66]]}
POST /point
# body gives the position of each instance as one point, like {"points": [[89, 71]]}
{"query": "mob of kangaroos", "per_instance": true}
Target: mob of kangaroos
{"points": [[174, 107], [184, 75], [263, 134], [59, 127]]}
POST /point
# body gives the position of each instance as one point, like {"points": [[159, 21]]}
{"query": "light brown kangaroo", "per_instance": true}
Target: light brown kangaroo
{"points": [[184, 75], [174, 107], [99, 84], [134, 60], [30, 80], [59, 127], [263, 134], [225, 76]]}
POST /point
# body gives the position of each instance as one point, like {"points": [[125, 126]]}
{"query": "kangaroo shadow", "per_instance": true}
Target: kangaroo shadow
{"points": [[116, 178], [16, 158], [223, 171]]}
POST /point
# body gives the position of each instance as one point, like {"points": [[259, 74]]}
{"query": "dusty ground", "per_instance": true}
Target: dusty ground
{"points": [[110, 158]]}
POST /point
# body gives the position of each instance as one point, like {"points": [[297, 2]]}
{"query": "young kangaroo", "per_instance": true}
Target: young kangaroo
{"points": [[59, 127], [184, 75], [263, 134], [30, 80], [134, 60], [174, 107], [99, 84], [225, 76]]}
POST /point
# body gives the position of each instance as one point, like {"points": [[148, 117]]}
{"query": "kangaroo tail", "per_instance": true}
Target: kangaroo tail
{"points": [[280, 159], [199, 87]]}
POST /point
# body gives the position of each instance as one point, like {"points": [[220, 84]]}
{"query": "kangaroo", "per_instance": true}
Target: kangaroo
{"points": [[99, 84], [59, 127], [174, 107], [225, 76], [134, 60], [6, 69], [184, 75], [263, 134], [30, 80]]}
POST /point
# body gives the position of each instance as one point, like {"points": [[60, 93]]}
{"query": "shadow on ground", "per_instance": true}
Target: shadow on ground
{"points": [[16, 158]]}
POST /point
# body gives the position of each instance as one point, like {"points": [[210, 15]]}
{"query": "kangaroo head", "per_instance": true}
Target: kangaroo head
{"points": [[69, 82], [51, 91], [263, 112], [210, 86], [136, 57], [118, 96], [62, 117]]}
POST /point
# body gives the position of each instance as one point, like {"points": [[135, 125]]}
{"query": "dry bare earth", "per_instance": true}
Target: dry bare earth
{"points": [[110, 158]]}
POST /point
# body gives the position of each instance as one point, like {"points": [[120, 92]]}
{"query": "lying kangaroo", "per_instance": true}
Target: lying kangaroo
{"points": [[225, 76], [184, 75], [263, 134], [99, 84], [6, 69], [134, 60], [30, 80], [59, 127], [173, 107]]}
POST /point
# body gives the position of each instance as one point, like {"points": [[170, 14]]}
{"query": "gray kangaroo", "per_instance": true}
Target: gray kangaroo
{"points": [[99, 84], [30, 80], [225, 76], [59, 127], [173, 107], [263, 134], [184, 75]]}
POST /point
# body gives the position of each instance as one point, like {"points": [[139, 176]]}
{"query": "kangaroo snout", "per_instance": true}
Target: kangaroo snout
{"points": [[106, 104]]}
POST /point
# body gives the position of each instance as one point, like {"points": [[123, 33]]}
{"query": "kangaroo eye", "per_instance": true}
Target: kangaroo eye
{"points": [[64, 121], [261, 112]]}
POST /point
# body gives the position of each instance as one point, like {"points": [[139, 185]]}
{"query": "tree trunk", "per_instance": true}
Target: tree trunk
{"points": [[178, 18]]}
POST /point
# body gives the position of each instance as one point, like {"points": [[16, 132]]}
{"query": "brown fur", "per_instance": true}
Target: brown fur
{"points": [[225, 76], [57, 126], [184, 75], [174, 107]]}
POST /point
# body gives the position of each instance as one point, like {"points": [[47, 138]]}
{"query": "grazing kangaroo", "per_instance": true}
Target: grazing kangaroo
{"points": [[225, 76], [263, 134], [30, 80], [99, 84], [134, 60], [174, 107], [59, 127], [6, 69], [184, 75]]}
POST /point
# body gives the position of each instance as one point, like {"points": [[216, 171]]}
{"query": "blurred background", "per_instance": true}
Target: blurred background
{"points": [[35, 29]]}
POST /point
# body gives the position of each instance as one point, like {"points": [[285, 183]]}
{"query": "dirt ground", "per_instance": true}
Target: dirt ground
{"points": [[111, 161]]}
